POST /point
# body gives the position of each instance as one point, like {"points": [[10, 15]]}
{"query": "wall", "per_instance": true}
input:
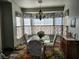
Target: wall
{"points": [[15, 8], [73, 7]]}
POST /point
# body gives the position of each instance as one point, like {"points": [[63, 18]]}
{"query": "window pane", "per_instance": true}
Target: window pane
{"points": [[48, 21], [27, 30], [19, 32], [37, 22], [42, 25], [45, 21], [58, 21], [47, 29], [27, 21], [58, 30], [18, 21]]}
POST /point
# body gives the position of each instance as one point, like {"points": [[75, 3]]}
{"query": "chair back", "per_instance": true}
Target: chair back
{"points": [[35, 48]]}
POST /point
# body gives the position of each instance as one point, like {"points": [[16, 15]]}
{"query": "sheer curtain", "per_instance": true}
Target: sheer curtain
{"points": [[45, 25], [48, 25]]}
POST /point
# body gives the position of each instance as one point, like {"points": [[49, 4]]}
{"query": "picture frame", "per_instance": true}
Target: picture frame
{"points": [[76, 36], [73, 22]]}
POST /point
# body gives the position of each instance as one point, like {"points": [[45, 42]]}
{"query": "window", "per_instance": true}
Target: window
{"points": [[19, 27], [58, 29], [58, 21], [45, 21], [19, 32], [58, 25], [48, 21], [27, 26], [48, 25], [27, 21], [18, 21], [42, 25], [37, 22]]}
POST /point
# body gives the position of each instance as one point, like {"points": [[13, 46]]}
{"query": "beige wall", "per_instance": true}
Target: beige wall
{"points": [[15, 8], [73, 6]]}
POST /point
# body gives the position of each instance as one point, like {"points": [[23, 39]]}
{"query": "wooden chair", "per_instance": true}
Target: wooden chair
{"points": [[35, 48]]}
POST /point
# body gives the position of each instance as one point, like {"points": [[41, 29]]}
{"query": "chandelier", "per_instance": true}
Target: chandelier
{"points": [[40, 14]]}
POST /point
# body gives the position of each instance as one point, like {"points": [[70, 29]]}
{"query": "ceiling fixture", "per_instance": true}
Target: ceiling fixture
{"points": [[39, 1], [40, 14]]}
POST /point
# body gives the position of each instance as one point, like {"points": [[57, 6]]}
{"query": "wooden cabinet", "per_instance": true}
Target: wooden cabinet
{"points": [[70, 48]]}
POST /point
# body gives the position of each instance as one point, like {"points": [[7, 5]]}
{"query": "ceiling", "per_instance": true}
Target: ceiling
{"points": [[35, 4]]}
